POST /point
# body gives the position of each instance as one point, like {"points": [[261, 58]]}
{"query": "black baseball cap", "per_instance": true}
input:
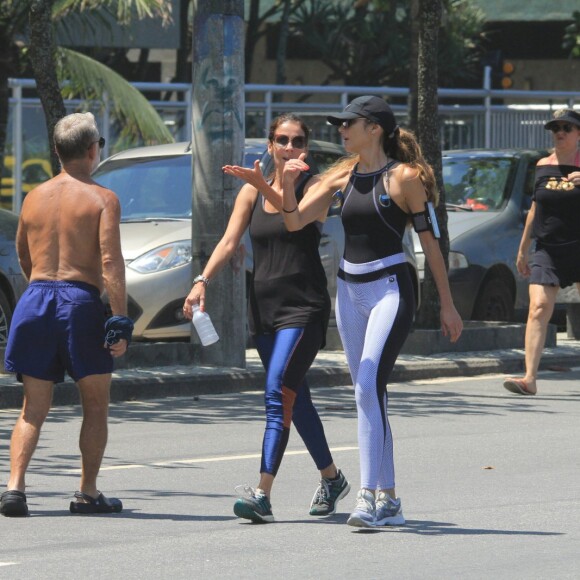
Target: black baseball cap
{"points": [[564, 116], [372, 108]]}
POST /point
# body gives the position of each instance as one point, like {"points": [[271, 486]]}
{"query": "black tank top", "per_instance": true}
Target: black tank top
{"points": [[288, 287], [557, 217], [373, 223]]}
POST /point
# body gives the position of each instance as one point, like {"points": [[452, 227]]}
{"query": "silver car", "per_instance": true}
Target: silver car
{"points": [[488, 194], [12, 282]]}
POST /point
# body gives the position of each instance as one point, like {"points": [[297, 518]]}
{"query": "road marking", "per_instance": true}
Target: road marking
{"points": [[203, 460], [8, 564]]}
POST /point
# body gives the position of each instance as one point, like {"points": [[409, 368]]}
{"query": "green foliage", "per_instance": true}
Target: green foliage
{"points": [[369, 42], [123, 10], [571, 40], [89, 80], [93, 80]]}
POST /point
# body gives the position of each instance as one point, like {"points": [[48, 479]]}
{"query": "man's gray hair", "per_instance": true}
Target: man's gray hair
{"points": [[74, 134]]}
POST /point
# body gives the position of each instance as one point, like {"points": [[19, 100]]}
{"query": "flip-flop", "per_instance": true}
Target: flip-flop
{"points": [[91, 505], [517, 386], [13, 504]]}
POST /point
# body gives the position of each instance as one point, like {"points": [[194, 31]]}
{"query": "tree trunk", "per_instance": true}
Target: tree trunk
{"points": [[218, 140], [413, 66], [43, 63], [182, 67], [282, 44], [251, 37], [4, 93], [7, 66], [428, 134]]}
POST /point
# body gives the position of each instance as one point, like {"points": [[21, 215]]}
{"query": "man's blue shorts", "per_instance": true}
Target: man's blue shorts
{"points": [[58, 326]]}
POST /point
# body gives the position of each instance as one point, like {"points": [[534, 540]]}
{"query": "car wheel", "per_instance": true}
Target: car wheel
{"points": [[494, 302], [5, 317]]}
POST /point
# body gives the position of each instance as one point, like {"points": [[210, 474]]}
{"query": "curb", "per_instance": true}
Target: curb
{"points": [[330, 370]]}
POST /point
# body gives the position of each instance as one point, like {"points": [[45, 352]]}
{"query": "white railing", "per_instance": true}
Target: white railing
{"points": [[469, 118]]}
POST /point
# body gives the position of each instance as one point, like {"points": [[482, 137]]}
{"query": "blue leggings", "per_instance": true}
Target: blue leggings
{"points": [[287, 356]]}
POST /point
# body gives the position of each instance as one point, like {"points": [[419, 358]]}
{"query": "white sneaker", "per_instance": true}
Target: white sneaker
{"points": [[389, 511], [363, 515]]}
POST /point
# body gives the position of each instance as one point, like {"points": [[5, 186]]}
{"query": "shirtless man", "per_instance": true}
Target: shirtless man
{"points": [[68, 245]]}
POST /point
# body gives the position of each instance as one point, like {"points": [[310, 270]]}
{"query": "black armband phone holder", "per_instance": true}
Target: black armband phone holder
{"points": [[424, 221]]}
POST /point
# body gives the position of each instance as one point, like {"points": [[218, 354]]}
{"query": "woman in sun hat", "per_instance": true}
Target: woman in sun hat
{"points": [[554, 221]]}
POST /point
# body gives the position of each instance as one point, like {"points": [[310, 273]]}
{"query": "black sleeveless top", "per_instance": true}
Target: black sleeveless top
{"points": [[288, 287], [373, 223], [557, 217]]}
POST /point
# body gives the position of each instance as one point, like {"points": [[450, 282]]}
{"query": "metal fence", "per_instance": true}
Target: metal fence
{"points": [[469, 118]]}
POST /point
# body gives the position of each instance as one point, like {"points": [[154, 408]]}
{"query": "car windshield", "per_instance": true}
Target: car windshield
{"points": [[477, 183], [151, 187]]}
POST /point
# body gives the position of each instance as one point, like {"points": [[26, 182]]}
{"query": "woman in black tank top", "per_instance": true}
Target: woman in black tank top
{"points": [[288, 309], [554, 222]]}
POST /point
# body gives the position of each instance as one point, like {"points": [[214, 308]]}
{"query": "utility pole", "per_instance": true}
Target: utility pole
{"points": [[217, 140]]}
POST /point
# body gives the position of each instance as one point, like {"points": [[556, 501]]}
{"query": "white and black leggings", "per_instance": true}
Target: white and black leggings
{"points": [[374, 312]]}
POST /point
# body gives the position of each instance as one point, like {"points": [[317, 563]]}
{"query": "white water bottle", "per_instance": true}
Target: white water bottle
{"points": [[204, 326]]}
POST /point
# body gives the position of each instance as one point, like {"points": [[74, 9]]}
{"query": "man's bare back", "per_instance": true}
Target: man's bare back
{"points": [[69, 230], [60, 220]]}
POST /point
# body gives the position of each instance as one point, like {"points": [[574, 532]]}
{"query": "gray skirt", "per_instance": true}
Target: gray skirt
{"points": [[556, 265]]}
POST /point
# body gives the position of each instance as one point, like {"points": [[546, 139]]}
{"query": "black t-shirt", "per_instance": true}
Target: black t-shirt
{"points": [[288, 287], [557, 216]]}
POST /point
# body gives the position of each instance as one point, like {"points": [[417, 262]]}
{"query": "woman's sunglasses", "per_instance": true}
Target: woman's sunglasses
{"points": [[283, 140], [566, 127]]}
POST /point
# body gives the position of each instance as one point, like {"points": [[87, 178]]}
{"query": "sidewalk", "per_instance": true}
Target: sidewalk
{"points": [[329, 369]]}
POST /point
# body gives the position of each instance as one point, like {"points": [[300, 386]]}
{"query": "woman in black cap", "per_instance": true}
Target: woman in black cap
{"points": [[383, 186], [554, 221]]}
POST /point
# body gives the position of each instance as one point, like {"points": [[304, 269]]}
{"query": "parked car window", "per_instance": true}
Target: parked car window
{"points": [[152, 188], [480, 184], [529, 186]]}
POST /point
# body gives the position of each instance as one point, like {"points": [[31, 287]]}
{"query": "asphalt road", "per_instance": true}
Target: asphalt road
{"points": [[490, 484]]}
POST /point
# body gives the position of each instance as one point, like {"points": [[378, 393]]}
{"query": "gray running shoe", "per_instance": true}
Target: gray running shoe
{"points": [[255, 507], [327, 495], [389, 511], [363, 515]]}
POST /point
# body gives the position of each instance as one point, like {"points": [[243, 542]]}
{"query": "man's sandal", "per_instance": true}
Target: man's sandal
{"points": [[13, 504], [86, 504]]}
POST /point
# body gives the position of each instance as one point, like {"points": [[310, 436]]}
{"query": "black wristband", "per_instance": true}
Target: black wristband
{"points": [[290, 211]]}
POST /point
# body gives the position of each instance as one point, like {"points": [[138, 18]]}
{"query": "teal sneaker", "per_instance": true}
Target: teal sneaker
{"points": [[389, 511], [256, 507], [327, 495]]}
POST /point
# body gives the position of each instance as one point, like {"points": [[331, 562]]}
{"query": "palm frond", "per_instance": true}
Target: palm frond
{"points": [[91, 80], [123, 10]]}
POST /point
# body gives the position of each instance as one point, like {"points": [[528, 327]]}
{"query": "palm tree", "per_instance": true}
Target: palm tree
{"points": [[89, 79], [430, 13]]}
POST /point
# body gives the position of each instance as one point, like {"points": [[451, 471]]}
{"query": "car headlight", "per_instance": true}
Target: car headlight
{"points": [[457, 261], [163, 258]]}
